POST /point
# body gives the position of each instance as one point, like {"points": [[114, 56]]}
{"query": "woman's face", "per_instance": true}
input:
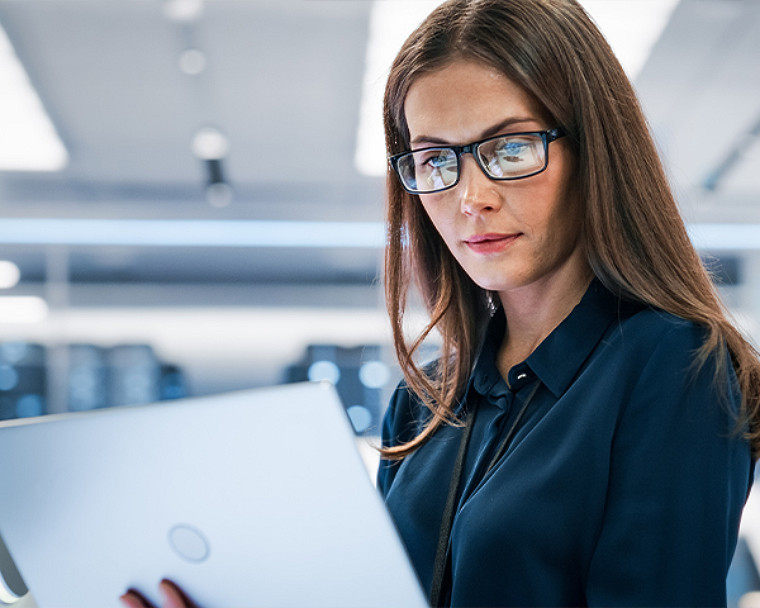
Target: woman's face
{"points": [[506, 235]]}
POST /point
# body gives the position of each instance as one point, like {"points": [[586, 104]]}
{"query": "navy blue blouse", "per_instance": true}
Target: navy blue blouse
{"points": [[623, 485]]}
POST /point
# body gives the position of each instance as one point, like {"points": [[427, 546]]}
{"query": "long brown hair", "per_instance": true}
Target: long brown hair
{"points": [[634, 236]]}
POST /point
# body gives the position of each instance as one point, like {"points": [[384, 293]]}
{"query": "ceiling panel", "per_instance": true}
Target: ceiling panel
{"points": [[701, 92]]}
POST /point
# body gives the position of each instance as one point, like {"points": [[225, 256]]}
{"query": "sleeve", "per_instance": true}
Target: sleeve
{"points": [[399, 426], [678, 479]]}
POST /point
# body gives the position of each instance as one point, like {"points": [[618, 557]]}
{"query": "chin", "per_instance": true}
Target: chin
{"points": [[491, 285]]}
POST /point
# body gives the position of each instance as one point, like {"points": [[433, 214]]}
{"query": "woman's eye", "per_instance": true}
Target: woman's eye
{"points": [[437, 161], [513, 150]]}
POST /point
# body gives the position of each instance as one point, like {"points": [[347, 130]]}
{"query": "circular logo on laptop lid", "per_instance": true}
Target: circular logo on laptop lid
{"points": [[189, 543]]}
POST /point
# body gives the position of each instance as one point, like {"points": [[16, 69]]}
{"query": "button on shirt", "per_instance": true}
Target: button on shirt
{"points": [[623, 484]]}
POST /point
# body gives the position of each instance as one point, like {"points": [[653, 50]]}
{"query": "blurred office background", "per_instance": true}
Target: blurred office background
{"points": [[191, 191]]}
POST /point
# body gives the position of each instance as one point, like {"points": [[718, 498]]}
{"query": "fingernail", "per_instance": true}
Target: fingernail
{"points": [[173, 593], [169, 583], [134, 593], [168, 586]]}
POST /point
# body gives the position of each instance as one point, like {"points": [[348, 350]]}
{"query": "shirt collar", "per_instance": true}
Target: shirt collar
{"points": [[486, 375], [558, 359]]}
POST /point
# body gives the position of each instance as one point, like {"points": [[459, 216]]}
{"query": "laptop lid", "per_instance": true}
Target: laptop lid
{"points": [[254, 498]]}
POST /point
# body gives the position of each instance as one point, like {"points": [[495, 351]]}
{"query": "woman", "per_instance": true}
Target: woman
{"points": [[586, 436]]}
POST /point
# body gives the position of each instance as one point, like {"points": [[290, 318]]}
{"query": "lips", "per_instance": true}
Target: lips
{"points": [[491, 242]]}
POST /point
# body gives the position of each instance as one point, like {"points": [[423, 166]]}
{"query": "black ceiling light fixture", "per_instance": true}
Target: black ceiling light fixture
{"points": [[209, 144], [212, 146]]}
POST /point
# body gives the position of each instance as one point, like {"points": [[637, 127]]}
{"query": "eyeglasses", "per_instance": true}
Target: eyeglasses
{"points": [[504, 157]]}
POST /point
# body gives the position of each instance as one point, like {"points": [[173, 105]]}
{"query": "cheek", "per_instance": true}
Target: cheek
{"points": [[436, 213], [566, 225], [541, 212], [561, 213]]}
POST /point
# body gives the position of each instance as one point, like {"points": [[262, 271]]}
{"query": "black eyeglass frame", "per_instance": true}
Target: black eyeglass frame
{"points": [[547, 137]]}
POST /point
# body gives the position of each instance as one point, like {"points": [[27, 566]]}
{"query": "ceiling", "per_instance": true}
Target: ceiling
{"points": [[283, 80], [701, 91]]}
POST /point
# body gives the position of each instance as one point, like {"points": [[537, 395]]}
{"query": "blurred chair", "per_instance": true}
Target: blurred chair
{"points": [[359, 375]]}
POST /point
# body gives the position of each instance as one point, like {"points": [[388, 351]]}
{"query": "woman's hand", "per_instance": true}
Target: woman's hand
{"points": [[173, 597]]}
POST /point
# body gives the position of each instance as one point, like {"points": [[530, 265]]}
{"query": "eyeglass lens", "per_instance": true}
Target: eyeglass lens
{"points": [[508, 157]]}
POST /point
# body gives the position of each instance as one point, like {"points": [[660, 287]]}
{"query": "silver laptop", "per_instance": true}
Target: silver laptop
{"points": [[255, 498]]}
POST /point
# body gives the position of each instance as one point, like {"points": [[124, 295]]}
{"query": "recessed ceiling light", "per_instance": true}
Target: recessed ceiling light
{"points": [[632, 27], [192, 233], [183, 11], [725, 237], [210, 144], [391, 22], [9, 274], [29, 141], [22, 310], [192, 62]]}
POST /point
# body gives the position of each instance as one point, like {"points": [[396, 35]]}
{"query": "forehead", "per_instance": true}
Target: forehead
{"points": [[464, 99]]}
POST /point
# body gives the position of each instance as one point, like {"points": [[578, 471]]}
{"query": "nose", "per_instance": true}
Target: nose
{"points": [[477, 192]]}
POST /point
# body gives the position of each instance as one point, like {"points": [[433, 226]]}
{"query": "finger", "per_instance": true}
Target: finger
{"points": [[174, 596], [134, 599]]}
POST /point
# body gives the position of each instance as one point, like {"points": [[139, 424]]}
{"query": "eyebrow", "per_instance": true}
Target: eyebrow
{"points": [[494, 130]]}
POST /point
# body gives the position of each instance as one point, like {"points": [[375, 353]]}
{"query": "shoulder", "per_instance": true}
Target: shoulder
{"points": [[402, 422], [649, 330], [652, 353], [622, 333], [672, 395], [632, 322], [405, 416], [667, 371]]}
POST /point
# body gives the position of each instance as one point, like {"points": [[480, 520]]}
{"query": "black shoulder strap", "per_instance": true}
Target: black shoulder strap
{"points": [[441, 552], [440, 564]]}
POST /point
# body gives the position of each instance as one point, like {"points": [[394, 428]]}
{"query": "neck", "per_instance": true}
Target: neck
{"points": [[534, 311]]}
